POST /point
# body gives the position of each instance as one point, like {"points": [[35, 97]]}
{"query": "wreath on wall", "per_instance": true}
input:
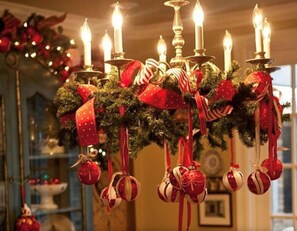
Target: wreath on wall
{"points": [[37, 39]]}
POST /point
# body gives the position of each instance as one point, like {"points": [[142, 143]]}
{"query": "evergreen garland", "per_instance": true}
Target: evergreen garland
{"points": [[147, 124]]}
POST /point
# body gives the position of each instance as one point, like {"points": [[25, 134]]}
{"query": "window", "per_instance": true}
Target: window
{"points": [[284, 190]]}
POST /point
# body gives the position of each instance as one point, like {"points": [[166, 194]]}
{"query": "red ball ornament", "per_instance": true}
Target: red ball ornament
{"points": [[88, 172], [258, 182], [36, 38], [259, 81], [176, 175], [110, 198], [128, 188], [277, 168], [197, 199], [193, 181], [233, 179], [224, 91], [5, 43], [167, 192], [32, 181], [64, 75], [196, 78]]}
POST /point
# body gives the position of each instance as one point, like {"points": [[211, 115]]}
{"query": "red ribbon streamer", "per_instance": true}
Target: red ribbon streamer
{"points": [[232, 164], [167, 158], [124, 150], [201, 113]]}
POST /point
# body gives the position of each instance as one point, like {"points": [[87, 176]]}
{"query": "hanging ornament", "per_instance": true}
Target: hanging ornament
{"points": [[109, 197], [167, 192], [176, 175], [258, 182], [276, 170], [88, 172], [193, 181], [233, 179], [5, 43], [128, 188], [197, 199], [27, 222]]}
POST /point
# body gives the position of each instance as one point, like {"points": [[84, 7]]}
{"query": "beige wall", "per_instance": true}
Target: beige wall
{"points": [[151, 212]]}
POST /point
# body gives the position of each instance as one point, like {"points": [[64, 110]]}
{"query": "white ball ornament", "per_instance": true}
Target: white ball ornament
{"points": [[233, 179]]}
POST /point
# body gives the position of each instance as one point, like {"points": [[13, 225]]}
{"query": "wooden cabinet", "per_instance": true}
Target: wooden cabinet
{"points": [[29, 151]]}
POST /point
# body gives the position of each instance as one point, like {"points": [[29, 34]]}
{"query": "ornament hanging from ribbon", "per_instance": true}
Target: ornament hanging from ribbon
{"points": [[88, 171]]}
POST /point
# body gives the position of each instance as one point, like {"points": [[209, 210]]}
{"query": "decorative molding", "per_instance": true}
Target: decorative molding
{"points": [[278, 13]]}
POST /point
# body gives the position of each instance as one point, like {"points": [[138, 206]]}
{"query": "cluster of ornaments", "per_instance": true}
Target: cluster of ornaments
{"points": [[258, 182], [125, 188], [44, 180], [187, 180], [122, 186]]}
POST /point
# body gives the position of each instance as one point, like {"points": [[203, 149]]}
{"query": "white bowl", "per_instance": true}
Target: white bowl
{"points": [[46, 192]]}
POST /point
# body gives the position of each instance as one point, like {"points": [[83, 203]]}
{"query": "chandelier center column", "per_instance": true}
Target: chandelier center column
{"points": [[177, 27]]}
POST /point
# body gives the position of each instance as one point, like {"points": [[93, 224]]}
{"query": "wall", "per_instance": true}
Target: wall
{"points": [[151, 212]]}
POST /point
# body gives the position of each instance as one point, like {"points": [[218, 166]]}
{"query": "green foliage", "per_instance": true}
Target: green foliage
{"points": [[147, 124]]}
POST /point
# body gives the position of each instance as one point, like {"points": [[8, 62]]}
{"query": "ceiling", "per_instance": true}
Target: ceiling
{"points": [[145, 20], [140, 12]]}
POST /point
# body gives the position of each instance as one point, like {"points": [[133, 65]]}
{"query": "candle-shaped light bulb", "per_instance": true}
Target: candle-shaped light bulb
{"points": [[266, 37], [107, 45], [227, 42], [117, 22], [86, 37], [258, 21], [162, 49], [198, 17]]}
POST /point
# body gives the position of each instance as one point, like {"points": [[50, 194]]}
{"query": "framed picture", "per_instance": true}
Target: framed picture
{"points": [[216, 210]]}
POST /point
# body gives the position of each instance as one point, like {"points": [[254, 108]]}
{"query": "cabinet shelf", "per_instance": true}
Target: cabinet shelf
{"points": [[54, 156], [55, 211]]}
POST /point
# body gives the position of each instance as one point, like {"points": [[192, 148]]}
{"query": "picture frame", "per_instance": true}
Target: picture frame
{"points": [[216, 210]]}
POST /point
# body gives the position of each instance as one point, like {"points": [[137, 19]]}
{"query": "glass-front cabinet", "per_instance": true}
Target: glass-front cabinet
{"points": [[30, 156]]}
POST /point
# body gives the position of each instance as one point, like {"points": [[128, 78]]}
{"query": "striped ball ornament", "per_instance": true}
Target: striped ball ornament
{"points": [[176, 175], [258, 182], [197, 199], [233, 179], [110, 198], [128, 188], [167, 192]]}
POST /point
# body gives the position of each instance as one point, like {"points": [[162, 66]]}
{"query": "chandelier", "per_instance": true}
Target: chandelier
{"points": [[174, 104]]}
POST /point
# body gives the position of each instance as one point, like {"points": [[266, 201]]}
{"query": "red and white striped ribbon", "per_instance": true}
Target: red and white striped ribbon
{"points": [[146, 73], [214, 114], [182, 77]]}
